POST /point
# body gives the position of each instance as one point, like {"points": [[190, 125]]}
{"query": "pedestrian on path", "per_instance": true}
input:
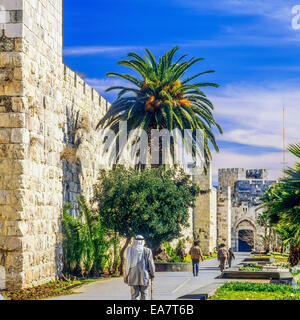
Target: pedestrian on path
{"points": [[181, 252], [223, 256], [140, 269], [196, 255], [231, 257]]}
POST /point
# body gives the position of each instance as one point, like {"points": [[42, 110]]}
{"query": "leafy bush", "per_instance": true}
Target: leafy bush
{"points": [[172, 253], [153, 202], [85, 241]]}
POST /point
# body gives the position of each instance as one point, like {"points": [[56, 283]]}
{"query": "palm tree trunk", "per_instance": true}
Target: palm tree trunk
{"points": [[294, 257]]}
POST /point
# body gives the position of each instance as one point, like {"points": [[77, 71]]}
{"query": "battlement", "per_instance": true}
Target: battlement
{"points": [[76, 86], [227, 176]]}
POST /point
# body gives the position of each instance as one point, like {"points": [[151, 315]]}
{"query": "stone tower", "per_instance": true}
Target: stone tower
{"points": [[204, 213], [238, 197], [46, 157]]}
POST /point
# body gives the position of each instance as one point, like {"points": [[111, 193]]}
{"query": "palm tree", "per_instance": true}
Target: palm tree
{"points": [[282, 203], [159, 98]]}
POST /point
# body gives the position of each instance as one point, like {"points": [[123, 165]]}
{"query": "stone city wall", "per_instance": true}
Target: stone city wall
{"points": [[49, 148]]}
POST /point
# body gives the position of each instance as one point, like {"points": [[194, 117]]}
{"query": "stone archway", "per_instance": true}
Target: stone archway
{"points": [[246, 240], [245, 235]]}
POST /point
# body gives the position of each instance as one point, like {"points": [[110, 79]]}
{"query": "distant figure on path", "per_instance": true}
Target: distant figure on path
{"points": [[196, 255], [181, 252], [139, 269], [231, 257], [223, 257]]}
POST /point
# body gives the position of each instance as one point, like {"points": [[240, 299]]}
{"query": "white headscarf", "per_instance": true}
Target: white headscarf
{"points": [[134, 254]]}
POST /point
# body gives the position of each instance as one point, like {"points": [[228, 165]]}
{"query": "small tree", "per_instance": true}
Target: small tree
{"points": [[153, 202]]}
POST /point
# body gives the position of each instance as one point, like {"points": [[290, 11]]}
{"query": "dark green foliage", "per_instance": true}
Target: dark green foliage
{"points": [[172, 253], [281, 205], [154, 202], [85, 241]]}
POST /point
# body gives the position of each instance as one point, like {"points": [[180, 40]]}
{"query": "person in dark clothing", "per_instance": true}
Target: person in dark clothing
{"points": [[223, 257], [196, 255], [181, 252], [231, 257]]}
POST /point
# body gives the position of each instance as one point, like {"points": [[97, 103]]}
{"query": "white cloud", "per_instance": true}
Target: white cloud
{"points": [[255, 114], [96, 50]]}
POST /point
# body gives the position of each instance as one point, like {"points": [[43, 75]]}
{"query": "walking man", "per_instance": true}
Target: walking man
{"points": [[231, 257], [140, 269], [196, 255], [223, 257]]}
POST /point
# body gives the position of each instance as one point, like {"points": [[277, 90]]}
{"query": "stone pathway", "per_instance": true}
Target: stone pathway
{"points": [[167, 285]]}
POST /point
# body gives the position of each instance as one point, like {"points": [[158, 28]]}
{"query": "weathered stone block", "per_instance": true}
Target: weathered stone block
{"points": [[16, 16], [17, 74], [6, 74], [4, 135], [12, 4], [13, 151], [14, 88], [12, 120], [13, 30], [19, 44], [10, 212], [7, 44], [5, 197], [18, 104], [14, 261], [10, 243], [6, 60], [20, 135], [6, 103], [14, 279]]}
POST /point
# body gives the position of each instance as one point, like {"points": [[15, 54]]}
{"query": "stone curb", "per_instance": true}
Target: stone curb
{"points": [[204, 292]]}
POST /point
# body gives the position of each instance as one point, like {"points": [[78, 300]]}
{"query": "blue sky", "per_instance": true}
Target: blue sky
{"points": [[250, 44]]}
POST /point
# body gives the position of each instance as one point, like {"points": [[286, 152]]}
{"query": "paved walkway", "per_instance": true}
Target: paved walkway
{"points": [[167, 285]]}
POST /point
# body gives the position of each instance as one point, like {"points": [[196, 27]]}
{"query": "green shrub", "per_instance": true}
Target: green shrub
{"points": [[85, 241], [172, 253]]}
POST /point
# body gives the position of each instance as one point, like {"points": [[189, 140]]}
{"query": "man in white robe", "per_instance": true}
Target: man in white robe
{"points": [[139, 269]]}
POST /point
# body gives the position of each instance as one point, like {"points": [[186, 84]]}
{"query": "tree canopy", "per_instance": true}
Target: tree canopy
{"points": [[161, 96], [153, 202]]}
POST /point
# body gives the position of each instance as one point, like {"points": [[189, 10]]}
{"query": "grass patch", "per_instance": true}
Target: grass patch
{"points": [[47, 290], [255, 291], [251, 267], [278, 257]]}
